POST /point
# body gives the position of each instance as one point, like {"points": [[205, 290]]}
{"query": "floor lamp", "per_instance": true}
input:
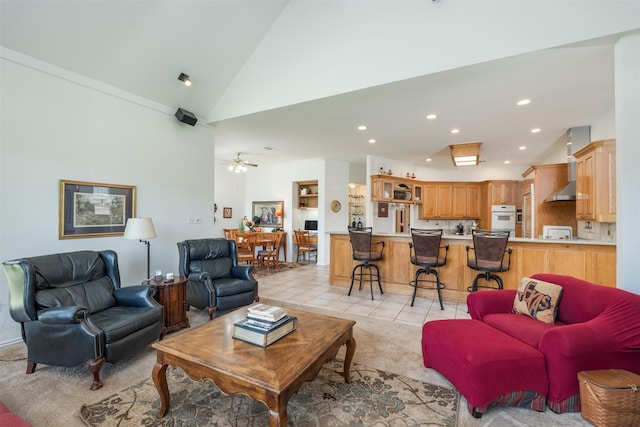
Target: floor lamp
{"points": [[142, 229]]}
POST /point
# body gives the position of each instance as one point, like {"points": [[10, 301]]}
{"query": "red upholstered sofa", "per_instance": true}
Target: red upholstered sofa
{"points": [[596, 328]]}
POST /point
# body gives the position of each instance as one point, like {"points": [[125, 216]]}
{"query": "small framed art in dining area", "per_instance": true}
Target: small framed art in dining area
{"points": [[226, 212], [91, 209]]}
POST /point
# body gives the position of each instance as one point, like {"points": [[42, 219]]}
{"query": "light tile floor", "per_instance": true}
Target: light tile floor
{"points": [[309, 286]]}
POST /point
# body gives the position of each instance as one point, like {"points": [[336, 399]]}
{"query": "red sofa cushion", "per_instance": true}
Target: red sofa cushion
{"points": [[9, 419], [521, 327]]}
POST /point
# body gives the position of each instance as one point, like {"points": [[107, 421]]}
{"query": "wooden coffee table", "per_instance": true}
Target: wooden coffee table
{"points": [[269, 375]]}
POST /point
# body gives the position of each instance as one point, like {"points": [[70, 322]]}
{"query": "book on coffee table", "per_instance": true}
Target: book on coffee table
{"points": [[247, 330], [266, 312]]}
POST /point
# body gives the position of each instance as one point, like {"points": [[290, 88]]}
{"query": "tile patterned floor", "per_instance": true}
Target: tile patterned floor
{"points": [[309, 286]]}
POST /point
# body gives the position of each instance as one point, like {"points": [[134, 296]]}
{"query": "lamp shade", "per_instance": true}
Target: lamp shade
{"points": [[139, 228]]}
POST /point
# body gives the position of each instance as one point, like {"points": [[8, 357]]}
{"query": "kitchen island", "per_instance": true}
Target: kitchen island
{"points": [[590, 260]]}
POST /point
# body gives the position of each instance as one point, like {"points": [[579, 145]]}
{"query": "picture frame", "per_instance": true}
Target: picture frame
{"points": [[226, 212], [267, 214], [92, 209]]}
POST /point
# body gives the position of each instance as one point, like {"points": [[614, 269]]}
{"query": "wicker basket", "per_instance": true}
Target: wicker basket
{"points": [[610, 397]]}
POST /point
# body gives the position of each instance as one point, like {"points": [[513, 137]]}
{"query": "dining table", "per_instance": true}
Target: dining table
{"points": [[262, 239]]}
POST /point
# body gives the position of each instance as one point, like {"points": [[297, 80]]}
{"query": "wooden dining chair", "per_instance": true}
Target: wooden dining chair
{"points": [[303, 243], [270, 254], [246, 248], [230, 233]]}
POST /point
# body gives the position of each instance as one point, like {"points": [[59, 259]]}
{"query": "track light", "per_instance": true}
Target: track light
{"points": [[184, 78]]}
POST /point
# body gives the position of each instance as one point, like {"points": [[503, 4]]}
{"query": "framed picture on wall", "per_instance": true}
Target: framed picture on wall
{"points": [[267, 214], [226, 212], [90, 209]]}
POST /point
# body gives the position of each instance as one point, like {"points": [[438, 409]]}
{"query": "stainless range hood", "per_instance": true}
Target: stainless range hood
{"points": [[577, 138]]}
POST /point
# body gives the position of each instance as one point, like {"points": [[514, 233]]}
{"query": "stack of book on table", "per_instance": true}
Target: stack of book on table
{"points": [[264, 325]]}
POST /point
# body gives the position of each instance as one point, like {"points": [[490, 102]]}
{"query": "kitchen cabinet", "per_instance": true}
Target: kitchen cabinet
{"points": [[502, 192], [465, 201], [450, 200], [391, 189], [307, 194], [596, 182], [437, 201]]}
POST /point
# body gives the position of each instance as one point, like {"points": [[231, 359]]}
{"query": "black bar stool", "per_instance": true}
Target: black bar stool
{"points": [[489, 250], [425, 253], [363, 251]]}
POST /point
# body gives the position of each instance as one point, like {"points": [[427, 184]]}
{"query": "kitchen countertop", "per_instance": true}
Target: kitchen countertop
{"points": [[511, 239]]}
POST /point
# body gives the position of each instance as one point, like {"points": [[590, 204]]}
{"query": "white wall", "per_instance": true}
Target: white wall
{"points": [[627, 63], [355, 45], [58, 125], [229, 191]]}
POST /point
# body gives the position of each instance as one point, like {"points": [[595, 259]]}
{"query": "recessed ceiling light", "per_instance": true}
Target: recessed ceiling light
{"points": [[431, 116], [455, 130], [372, 141], [535, 130], [428, 159], [523, 102], [506, 162], [522, 147], [184, 78], [362, 127]]}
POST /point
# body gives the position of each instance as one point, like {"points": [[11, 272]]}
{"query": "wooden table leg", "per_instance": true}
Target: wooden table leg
{"points": [[278, 419], [348, 358], [159, 376]]}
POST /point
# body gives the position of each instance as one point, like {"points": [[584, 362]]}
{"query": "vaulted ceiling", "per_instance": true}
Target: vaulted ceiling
{"points": [[299, 76]]}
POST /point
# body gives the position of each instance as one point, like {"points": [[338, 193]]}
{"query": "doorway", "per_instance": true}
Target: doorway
{"points": [[403, 219]]}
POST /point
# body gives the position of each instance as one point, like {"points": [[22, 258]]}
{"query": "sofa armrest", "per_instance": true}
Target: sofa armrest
{"points": [[136, 296], [244, 272], [480, 304], [63, 315]]}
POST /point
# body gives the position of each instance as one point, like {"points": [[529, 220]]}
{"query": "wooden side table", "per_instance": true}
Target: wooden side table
{"points": [[173, 297]]}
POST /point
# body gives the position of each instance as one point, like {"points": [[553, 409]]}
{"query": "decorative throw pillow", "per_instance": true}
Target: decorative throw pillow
{"points": [[537, 299]]}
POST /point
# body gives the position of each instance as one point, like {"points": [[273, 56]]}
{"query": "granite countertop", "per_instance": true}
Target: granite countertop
{"points": [[512, 239]]}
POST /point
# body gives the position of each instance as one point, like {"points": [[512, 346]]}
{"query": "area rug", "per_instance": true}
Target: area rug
{"points": [[373, 398], [284, 266]]}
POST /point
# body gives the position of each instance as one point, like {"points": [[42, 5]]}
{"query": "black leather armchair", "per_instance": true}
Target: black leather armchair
{"points": [[72, 310], [216, 282]]}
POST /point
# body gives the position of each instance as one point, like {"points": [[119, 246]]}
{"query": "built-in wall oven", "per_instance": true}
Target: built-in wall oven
{"points": [[503, 217]]}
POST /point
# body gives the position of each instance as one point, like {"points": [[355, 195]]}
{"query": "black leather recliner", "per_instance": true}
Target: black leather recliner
{"points": [[216, 282], [72, 310]]}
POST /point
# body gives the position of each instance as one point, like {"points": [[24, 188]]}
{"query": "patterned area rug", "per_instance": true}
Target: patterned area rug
{"points": [[374, 398], [284, 266]]}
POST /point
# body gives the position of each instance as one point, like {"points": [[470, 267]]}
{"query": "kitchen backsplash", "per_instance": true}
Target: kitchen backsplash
{"points": [[602, 231]]}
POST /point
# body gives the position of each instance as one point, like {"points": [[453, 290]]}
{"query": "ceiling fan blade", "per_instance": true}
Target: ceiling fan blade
{"points": [[249, 164]]}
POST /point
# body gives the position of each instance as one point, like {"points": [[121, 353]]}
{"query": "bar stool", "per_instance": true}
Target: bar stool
{"points": [[362, 250], [489, 250], [425, 253]]}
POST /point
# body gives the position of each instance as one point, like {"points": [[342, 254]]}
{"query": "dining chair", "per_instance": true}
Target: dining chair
{"points": [[230, 233], [302, 239], [246, 247], [270, 253]]}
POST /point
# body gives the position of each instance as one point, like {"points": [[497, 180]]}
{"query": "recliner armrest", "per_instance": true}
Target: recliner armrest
{"points": [[480, 304], [243, 272], [199, 277], [136, 296], [63, 315]]}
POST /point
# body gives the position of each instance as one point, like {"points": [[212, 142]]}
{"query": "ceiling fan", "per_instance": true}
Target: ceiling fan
{"points": [[238, 165]]}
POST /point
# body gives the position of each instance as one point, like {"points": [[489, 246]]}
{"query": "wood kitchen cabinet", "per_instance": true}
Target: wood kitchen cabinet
{"points": [[596, 182], [502, 192], [465, 201], [391, 189], [437, 201], [450, 200]]}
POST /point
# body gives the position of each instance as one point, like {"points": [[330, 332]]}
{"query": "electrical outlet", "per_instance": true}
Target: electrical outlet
{"points": [[191, 220]]}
